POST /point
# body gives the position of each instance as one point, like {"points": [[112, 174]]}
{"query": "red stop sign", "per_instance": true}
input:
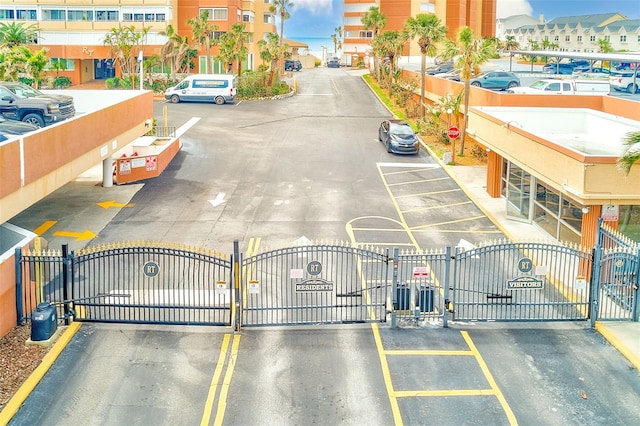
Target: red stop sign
{"points": [[453, 132]]}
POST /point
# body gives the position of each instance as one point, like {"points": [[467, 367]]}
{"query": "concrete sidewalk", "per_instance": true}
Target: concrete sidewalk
{"points": [[624, 336]]}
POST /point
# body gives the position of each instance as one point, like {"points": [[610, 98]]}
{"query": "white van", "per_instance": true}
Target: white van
{"points": [[218, 88]]}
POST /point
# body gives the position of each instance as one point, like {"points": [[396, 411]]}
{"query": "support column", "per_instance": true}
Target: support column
{"points": [[107, 172]]}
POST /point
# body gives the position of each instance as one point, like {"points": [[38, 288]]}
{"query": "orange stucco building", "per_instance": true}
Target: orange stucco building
{"points": [[479, 15], [73, 31]]}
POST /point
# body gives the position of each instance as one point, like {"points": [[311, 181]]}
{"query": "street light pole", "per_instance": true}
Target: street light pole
{"points": [[140, 59]]}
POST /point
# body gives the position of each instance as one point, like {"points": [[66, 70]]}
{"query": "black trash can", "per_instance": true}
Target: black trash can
{"points": [[403, 297], [44, 322], [425, 298]]}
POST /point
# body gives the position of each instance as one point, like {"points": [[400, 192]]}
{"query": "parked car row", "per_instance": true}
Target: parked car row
{"points": [[24, 103]]}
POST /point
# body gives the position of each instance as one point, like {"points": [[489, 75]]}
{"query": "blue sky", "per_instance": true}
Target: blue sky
{"points": [[319, 18]]}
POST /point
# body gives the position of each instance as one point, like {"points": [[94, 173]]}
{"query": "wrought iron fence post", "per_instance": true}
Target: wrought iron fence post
{"points": [[636, 290], [594, 285], [236, 301], [394, 287], [66, 263], [446, 283], [19, 305]]}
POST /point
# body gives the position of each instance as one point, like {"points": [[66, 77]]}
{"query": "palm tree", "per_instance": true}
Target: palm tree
{"points": [[174, 50], [604, 45], [334, 38], [281, 7], [450, 105], [15, 34], [202, 31], [375, 21], [470, 52], [632, 153], [271, 50], [429, 31], [36, 63], [391, 44], [511, 44], [232, 46], [124, 44]]}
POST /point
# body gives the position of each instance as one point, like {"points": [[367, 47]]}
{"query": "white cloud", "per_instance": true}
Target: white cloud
{"points": [[314, 6], [505, 8]]}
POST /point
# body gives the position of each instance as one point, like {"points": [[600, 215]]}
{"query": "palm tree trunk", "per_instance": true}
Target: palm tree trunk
{"points": [[465, 120], [422, 74]]}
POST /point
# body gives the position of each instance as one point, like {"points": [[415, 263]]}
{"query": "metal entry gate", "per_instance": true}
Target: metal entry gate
{"points": [[150, 283], [314, 284], [324, 284]]}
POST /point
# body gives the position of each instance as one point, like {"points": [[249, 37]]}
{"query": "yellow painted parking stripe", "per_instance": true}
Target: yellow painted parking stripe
{"points": [[457, 231], [224, 390], [449, 222], [419, 194], [492, 383], [442, 206], [402, 221], [412, 182], [44, 227], [208, 406], [386, 374], [29, 385]]}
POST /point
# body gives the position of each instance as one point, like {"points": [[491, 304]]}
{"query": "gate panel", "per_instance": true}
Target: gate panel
{"points": [[159, 284], [617, 296], [314, 284], [40, 279], [421, 288], [521, 282]]}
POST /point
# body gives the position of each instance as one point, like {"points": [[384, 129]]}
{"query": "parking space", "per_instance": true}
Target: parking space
{"points": [[431, 208]]}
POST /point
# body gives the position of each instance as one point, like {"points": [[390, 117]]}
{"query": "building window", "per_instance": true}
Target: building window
{"points": [[579, 39], [7, 14], [592, 39], [365, 34], [623, 38], [217, 14], [216, 35], [53, 14], [269, 19], [247, 16], [557, 214], [556, 38], [66, 64], [567, 39], [107, 15], [26, 14], [80, 15]]}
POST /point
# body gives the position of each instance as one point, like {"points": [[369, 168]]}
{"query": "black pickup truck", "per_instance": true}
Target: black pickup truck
{"points": [[24, 103]]}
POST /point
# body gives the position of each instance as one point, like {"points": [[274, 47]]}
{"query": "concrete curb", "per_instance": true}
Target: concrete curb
{"points": [[32, 381], [615, 341]]}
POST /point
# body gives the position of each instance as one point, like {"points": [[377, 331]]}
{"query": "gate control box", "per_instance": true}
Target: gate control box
{"points": [[44, 322]]}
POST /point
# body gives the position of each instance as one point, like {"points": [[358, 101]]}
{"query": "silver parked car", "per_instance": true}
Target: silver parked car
{"points": [[398, 137]]}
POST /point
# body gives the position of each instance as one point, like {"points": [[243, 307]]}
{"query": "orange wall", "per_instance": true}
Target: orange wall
{"points": [[160, 161], [54, 147], [438, 87], [7, 295]]}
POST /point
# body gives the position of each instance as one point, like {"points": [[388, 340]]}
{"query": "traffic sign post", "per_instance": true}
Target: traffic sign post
{"points": [[453, 132]]}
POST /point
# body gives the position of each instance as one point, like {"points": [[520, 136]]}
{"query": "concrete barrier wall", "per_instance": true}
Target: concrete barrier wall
{"points": [[38, 164]]}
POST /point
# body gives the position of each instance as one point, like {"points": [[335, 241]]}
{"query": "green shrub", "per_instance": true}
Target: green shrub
{"points": [[112, 83], [26, 80], [61, 82]]}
